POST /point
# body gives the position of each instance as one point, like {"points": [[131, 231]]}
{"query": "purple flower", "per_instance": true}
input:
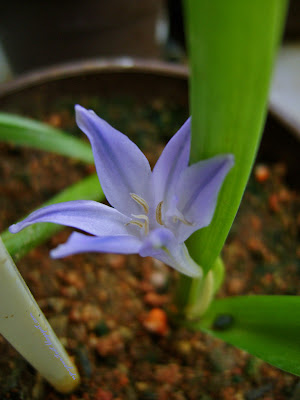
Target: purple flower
{"points": [[152, 213]]}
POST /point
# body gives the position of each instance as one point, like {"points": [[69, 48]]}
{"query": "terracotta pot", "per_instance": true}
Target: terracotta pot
{"points": [[37, 34]]}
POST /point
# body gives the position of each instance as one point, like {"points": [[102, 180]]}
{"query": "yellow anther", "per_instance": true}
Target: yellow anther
{"points": [[144, 224], [158, 213], [140, 201], [139, 224], [183, 220]]}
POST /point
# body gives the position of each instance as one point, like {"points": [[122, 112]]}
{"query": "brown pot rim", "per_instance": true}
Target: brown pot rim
{"points": [[91, 66], [117, 65]]}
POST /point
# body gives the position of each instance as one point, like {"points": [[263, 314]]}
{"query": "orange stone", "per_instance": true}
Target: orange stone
{"points": [[156, 321], [261, 173]]}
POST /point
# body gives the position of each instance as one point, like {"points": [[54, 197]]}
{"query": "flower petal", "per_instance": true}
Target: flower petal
{"points": [[89, 216], [162, 244], [197, 190], [122, 168], [79, 243], [173, 160]]}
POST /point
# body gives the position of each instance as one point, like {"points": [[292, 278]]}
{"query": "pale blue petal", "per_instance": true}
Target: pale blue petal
{"points": [[156, 240], [162, 245], [89, 216], [173, 160], [197, 191], [122, 168], [79, 243]]}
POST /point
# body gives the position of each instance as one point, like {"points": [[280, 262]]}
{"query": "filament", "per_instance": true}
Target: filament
{"points": [[144, 224], [183, 220]]}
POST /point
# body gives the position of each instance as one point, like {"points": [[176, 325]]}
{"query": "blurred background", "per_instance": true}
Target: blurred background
{"points": [[37, 34]]}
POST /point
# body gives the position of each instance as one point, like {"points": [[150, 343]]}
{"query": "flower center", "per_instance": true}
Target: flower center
{"points": [[142, 220]]}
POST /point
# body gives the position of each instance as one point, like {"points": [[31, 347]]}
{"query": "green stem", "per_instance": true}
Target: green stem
{"points": [[194, 295]]}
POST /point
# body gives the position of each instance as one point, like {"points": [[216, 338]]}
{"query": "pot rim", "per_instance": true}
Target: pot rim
{"points": [[118, 65], [91, 66]]}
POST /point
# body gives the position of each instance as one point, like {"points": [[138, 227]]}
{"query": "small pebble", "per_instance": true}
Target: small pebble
{"points": [[57, 304], [236, 285], [110, 344], [156, 322], [142, 386], [74, 279], [117, 261], [101, 329], [169, 374], [284, 195], [223, 322], [273, 202], [258, 393], [261, 173], [74, 315], [84, 359], [154, 299], [126, 333], [59, 324], [256, 223], [103, 395], [158, 279], [184, 347], [296, 392], [55, 120], [102, 295], [68, 291], [90, 312]]}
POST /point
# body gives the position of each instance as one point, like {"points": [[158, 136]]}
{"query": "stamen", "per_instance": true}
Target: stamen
{"points": [[144, 224], [158, 213], [139, 224], [140, 201], [183, 220]]}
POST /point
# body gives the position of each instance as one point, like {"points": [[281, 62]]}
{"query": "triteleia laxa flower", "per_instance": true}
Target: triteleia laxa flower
{"points": [[152, 213]]}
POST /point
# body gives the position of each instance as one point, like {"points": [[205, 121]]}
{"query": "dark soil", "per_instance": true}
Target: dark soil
{"points": [[110, 310]]}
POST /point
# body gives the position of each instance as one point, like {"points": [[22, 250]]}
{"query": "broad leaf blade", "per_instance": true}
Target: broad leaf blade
{"points": [[26, 132], [19, 244], [232, 45], [265, 326]]}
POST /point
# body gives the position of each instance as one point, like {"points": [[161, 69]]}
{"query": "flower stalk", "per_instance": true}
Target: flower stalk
{"points": [[194, 295], [24, 325]]}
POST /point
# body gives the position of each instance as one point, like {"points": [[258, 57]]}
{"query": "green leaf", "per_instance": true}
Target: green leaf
{"points": [[265, 326], [19, 244], [232, 45], [27, 132]]}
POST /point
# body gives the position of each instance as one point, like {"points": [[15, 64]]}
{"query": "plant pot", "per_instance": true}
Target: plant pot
{"points": [[38, 34], [100, 304]]}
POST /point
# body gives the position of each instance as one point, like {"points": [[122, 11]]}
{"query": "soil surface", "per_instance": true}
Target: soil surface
{"points": [[110, 311]]}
